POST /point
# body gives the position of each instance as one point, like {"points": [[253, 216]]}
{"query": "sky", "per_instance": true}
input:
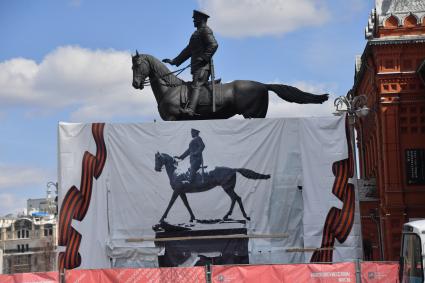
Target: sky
{"points": [[70, 60]]}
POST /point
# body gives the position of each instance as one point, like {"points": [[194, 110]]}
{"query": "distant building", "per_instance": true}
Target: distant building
{"points": [[41, 206], [28, 242], [391, 139]]}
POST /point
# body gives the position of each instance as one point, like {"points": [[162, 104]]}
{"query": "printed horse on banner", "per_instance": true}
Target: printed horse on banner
{"points": [[219, 177]]}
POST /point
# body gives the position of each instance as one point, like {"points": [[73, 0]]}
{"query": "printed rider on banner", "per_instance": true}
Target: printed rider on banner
{"points": [[196, 147]]}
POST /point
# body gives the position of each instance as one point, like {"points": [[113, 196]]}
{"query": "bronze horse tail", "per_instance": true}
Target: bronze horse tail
{"points": [[251, 174], [293, 94]]}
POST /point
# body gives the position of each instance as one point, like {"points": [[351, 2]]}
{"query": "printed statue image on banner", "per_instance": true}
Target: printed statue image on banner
{"points": [[222, 191]]}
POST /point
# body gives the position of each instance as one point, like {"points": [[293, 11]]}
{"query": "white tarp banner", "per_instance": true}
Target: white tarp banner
{"points": [[278, 170]]}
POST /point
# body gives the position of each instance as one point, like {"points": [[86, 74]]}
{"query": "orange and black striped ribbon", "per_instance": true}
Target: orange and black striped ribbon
{"points": [[76, 202], [339, 222]]}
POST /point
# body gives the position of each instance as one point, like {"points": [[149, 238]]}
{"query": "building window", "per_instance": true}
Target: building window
{"points": [[410, 21], [391, 22], [48, 231], [23, 233]]}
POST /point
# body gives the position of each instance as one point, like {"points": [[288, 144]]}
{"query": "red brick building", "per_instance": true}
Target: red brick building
{"points": [[391, 138]]}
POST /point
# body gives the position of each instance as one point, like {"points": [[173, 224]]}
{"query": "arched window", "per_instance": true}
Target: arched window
{"points": [[391, 22], [410, 21]]}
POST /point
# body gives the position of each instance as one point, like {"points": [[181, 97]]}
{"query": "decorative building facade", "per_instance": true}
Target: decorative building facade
{"points": [[28, 244], [391, 139]]}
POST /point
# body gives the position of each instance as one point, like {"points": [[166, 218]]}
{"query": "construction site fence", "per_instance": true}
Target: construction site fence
{"points": [[356, 271]]}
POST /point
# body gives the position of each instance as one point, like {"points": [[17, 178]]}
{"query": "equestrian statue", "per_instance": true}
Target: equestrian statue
{"points": [[202, 99]]}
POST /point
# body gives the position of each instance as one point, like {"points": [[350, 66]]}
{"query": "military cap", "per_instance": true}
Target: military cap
{"points": [[195, 131], [200, 15]]}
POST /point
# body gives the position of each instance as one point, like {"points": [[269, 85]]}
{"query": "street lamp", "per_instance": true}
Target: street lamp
{"points": [[354, 106], [52, 203], [54, 184]]}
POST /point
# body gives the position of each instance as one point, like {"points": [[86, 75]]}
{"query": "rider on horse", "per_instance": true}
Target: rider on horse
{"points": [[196, 146], [201, 48]]}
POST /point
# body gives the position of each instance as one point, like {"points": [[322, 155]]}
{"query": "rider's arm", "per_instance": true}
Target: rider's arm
{"points": [[185, 154], [183, 56]]}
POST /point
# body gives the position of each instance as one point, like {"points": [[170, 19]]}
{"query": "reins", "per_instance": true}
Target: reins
{"points": [[148, 82]]}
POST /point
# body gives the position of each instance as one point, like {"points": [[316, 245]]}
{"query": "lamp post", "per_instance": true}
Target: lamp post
{"points": [[374, 215], [52, 204], [354, 106]]}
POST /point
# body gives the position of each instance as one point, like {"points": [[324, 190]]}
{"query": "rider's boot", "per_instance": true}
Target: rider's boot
{"points": [[190, 110]]}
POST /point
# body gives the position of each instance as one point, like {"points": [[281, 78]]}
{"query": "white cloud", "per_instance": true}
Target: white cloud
{"points": [[281, 108], [20, 176], [11, 204], [243, 18], [97, 84]]}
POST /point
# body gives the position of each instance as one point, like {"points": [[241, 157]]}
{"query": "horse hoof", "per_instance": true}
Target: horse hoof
{"points": [[225, 218], [192, 219], [248, 218]]}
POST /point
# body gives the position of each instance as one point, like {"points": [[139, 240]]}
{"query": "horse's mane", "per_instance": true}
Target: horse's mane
{"points": [[162, 70], [167, 156]]}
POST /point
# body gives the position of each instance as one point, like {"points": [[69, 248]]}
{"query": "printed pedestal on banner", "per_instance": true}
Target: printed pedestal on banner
{"points": [[187, 193], [320, 273]]}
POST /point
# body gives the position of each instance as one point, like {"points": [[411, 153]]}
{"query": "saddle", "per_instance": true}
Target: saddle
{"points": [[205, 95], [200, 173]]}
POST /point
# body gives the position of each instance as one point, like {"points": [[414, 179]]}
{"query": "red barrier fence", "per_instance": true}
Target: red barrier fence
{"points": [[139, 275], [41, 277], [370, 272], [379, 272], [323, 273]]}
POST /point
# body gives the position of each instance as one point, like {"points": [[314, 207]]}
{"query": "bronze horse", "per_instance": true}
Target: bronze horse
{"points": [[248, 98], [220, 176]]}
